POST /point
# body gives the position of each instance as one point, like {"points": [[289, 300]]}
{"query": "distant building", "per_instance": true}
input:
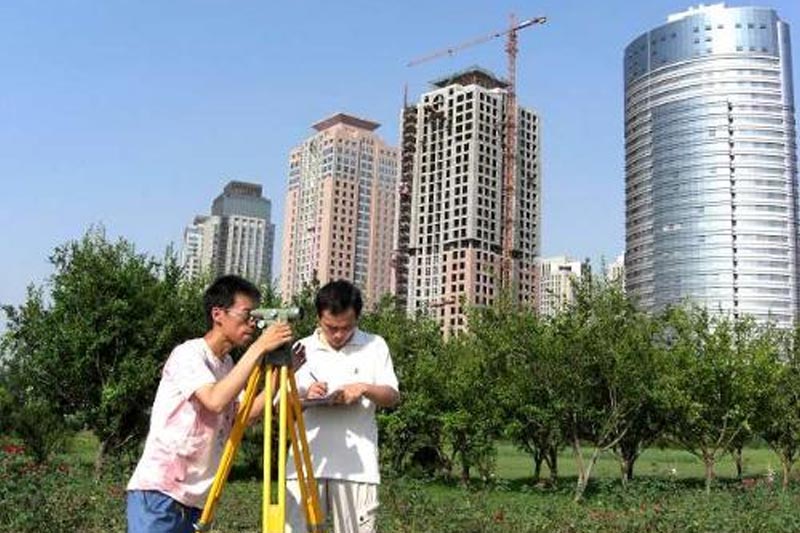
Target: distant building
{"points": [[237, 238], [192, 249], [615, 272], [555, 279], [339, 211]]}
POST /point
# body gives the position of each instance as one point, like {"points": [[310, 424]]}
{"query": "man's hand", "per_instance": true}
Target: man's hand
{"points": [[381, 395], [273, 337], [318, 389], [352, 393], [298, 356]]}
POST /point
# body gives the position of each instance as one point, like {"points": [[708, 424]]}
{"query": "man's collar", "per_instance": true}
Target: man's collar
{"points": [[359, 338]]}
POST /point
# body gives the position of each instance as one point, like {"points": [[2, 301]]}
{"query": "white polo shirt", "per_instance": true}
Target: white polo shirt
{"points": [[343, 439]]}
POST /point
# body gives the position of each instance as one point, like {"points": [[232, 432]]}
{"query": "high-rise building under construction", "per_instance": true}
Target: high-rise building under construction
{"points": [[450, 216]]}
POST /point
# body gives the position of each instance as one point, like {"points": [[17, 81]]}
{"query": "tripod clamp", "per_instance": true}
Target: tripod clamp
{"points": [[280, 357]]}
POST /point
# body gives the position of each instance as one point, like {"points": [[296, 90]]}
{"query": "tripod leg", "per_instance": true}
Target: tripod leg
{"points": [[268, 412], [231, 446], [291, 422], [303, 465], [274, 515]]}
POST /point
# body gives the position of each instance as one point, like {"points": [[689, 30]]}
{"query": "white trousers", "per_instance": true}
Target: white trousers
{"points": [[349, 506]]}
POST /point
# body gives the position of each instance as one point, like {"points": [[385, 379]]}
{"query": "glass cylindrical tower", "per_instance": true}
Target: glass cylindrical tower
{"points": [[711, 164]]}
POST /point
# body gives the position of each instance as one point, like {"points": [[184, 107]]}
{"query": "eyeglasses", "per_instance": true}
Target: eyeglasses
{"points": [[245, 316]]}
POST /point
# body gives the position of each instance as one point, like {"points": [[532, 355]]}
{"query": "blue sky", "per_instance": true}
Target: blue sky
{"points": [[135, 113]]}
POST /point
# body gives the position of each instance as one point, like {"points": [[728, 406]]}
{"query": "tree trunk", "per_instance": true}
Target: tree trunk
{"points": [[552, 463], [464, 470], [625, 468], [452, 462], [708, 461], [538, 458], [628, 454], [786, 463], [580, 488], [629, 472], [583, 480], [737, 458], [99, 458], [581, 484]]}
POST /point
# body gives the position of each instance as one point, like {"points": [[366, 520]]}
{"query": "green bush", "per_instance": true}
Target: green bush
{"points": [[55, 496]]}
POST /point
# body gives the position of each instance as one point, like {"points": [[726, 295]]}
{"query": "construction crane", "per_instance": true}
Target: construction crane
{"points": [[509, 155]]}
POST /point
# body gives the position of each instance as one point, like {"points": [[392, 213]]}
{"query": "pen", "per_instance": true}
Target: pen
{"points": [[313, 376]]}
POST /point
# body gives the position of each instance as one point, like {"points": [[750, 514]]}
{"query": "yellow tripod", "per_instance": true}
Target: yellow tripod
{"points": [[290, 420]]}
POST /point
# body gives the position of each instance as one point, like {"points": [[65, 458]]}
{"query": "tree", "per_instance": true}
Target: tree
{"points": [[304, 300], [778, 420], [93, 348], [517, 344], [713, 397], [411, 433], [470, 412], [606, 373], [646, 364]]}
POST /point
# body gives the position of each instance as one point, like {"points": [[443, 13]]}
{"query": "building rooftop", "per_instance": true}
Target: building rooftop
{"points": [[349, 120], [696, 10], [472, 75], [242, 188]]}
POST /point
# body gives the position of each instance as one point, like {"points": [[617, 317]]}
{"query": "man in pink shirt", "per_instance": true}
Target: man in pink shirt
{"points": [[194, 410]]}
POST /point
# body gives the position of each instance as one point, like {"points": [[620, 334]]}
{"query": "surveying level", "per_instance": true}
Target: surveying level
{"points": [[290, 420], [265, 316]]}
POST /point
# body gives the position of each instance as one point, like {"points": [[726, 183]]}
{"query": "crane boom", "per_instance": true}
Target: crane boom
{"points": [[480, 40]]}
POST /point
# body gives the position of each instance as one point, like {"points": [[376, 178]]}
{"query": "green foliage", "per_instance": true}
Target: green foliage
{"points": [[305, 301], [90, 351], [64, 495], [85, 351], [778, 420], [42, 430], [472, 418], [516, 389], [411, 434], [598, 361], [7, 410], [413, 506], [713, 397], [54, 496]]}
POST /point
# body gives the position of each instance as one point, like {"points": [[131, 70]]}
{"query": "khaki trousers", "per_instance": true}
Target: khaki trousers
{"points": [[349, 506]]}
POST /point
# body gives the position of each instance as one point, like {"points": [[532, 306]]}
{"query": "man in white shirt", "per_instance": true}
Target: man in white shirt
{"points": [[353, 370]]}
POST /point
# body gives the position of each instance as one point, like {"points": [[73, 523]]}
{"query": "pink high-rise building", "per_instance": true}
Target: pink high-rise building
{"points": [[339, 211]]}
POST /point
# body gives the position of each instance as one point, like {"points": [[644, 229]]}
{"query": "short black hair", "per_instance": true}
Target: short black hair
{"points": [[223, 291], [337, 297]]}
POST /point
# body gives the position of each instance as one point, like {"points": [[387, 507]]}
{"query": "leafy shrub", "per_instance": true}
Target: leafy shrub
{"points": [[54, 496]]}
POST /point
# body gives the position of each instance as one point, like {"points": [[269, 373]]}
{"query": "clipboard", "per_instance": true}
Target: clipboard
{"points": [[330, 399]]}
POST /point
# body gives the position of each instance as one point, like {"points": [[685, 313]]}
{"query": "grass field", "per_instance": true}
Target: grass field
{"points": [[658, 500], [514, 465], [661, 463]]}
